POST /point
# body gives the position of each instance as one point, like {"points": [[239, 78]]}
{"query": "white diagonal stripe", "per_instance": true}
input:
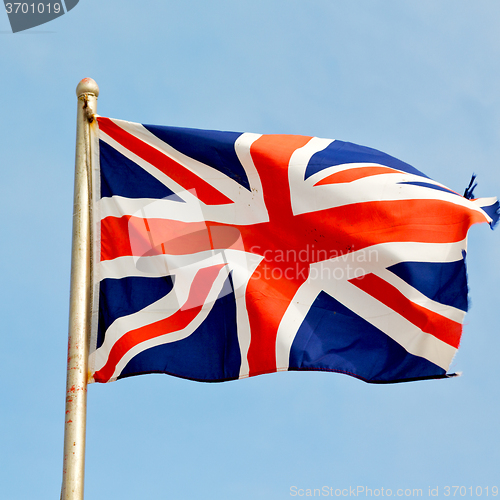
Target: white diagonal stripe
{"points": [[332, 275], [179, 334], [159, 310], [306, 197]]}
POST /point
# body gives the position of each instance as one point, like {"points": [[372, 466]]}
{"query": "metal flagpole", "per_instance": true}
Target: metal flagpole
{"points": [[79, 311]]}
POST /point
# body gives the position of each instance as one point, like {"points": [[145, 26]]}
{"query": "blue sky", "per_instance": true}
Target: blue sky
{"points": [[418, 80]]}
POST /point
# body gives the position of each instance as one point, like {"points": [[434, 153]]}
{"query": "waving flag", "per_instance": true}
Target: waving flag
{"points": [[222, 255]]}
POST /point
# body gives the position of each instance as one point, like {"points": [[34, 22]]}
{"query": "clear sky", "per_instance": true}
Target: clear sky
{"points": [[416, 79]]}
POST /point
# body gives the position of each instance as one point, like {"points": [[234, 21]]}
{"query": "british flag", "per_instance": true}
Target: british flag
{"points": [[223, 255]]}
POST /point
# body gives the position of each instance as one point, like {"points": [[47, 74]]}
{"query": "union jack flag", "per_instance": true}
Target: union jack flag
{"points": [[223, 255]]}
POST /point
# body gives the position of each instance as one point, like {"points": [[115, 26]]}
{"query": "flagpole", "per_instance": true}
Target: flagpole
{"points": [[79, 311]]}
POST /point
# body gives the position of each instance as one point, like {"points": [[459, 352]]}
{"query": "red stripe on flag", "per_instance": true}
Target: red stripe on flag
{"points": [[126, 236], [115, 240], [444, 329], [268, 295], [198, 293], [365, 224], [271, 155], [180, 174], [354, 174], [336, 231]]}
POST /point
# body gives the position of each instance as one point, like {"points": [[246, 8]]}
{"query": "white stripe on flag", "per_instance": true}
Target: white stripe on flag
{"points": [[332, 275]]}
